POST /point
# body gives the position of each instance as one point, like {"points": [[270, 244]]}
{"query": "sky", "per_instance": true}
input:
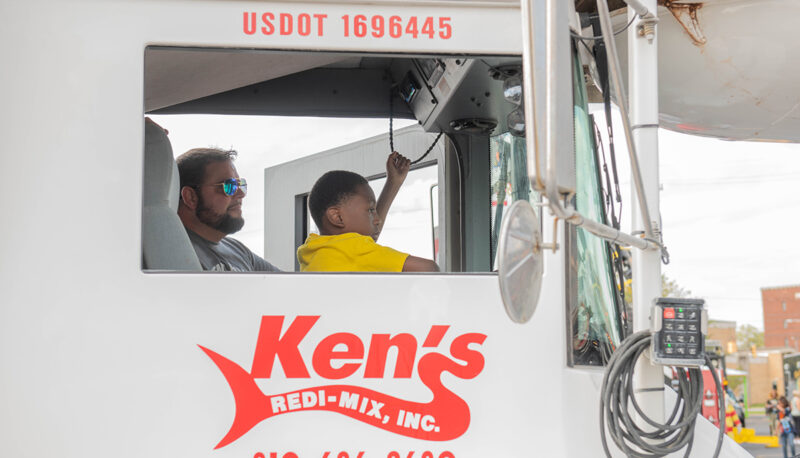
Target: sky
{"points": [[730, 213], [730, 210]]}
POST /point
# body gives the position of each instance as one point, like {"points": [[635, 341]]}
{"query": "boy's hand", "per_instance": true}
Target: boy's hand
{"points": [[397, 167]]}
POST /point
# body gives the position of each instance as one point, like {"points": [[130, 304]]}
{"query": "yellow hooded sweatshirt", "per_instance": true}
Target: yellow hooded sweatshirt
{"points": [[350, 252]]}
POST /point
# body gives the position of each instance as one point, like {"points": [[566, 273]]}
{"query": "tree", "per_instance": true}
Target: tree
{"points": [[748, 335], [669, 288]]}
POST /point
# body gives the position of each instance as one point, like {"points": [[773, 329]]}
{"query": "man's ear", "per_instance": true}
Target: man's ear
{"points": [[189, 197], [334, 217]]}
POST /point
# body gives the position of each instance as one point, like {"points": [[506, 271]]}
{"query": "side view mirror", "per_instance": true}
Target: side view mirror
{"points": [[520, 261]]}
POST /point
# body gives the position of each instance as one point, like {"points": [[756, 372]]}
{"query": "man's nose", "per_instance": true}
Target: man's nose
{"points": [[240, 193]]}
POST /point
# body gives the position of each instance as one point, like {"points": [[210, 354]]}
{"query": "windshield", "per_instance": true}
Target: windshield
{"points": [[594, 313]]}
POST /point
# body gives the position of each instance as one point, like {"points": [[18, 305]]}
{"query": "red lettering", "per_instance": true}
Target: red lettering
{"points": [[379, 346], [395, 27], [359, 25], [446, 30], [304, 24], [249, 26], [271, 344], [459, 349], [377, 26], [275, 343], [320, 18], [411, 27], [286, 24], [325, 354], [435, 335], [267, 19], [427, 27]]}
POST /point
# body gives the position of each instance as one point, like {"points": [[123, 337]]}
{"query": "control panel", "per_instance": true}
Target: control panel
{"points": [[679, 327]]}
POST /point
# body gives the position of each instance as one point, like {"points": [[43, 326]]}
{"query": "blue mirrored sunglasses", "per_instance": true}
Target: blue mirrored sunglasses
{"points": [[231, 185]]}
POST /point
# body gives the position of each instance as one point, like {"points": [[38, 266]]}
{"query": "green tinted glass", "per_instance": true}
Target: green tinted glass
{"points": [[596, 328], [509, 180]]}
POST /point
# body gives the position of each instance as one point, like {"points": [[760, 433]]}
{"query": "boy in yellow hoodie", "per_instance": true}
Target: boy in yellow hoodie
{"points": [[349, 219]]}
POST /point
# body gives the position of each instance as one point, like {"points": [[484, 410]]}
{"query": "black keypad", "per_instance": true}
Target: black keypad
{"points": [[680, 336]]}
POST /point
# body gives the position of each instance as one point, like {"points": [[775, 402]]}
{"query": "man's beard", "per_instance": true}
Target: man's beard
{"points": [[224, 223]]}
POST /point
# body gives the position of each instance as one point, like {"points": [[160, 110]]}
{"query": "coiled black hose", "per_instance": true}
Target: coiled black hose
{"points": [[618, 395]]}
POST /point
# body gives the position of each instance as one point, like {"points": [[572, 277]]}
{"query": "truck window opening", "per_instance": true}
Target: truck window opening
{"points": [[332, 111]]}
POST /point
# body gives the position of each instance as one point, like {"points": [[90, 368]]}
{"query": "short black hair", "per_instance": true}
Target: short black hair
{"points": [[330, 190], [192, 164]]}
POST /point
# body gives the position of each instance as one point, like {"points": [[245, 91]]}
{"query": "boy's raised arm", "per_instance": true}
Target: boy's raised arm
{"points": [[397, 167], [416, 264]]}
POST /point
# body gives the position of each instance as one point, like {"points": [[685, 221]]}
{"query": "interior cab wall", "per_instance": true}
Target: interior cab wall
{"points": [[445, 94], [477, 256]]}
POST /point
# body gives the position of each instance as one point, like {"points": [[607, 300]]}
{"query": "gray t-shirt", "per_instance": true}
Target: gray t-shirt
{"points": [[228, 255]]}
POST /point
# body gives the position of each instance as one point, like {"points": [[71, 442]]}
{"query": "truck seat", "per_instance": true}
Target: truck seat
{"points": [[165, 245]]}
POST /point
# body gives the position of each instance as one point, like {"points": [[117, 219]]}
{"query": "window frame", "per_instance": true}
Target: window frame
{"points": [[571, 238]]}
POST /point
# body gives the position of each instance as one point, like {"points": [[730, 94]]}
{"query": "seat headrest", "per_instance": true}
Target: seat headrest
{"points": [[160, 172], [165, 243]]}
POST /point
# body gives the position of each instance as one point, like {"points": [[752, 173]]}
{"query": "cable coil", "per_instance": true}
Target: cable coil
{"points": [[617, 397], [391, 130]]}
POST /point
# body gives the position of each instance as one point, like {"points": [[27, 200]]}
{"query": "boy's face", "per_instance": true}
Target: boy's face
{"points": [[359, 213]]}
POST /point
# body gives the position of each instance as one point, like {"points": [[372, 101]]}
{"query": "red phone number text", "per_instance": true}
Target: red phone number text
{"points": [[425, 454], [358, 25]]}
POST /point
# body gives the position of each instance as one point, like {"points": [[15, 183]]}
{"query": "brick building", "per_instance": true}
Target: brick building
{"points": [[763, 369], [725, 333], [781, 306]]}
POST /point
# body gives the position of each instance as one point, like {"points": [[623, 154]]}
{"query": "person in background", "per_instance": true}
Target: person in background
{"points": [[771, 409], [734, 401], [731, 417], [795, 404], [785, 427]]}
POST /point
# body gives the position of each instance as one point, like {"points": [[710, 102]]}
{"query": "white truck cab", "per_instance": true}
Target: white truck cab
{"points": [[114, 342]]}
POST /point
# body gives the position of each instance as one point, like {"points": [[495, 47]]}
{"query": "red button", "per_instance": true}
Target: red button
{"points": [[669, 313]]}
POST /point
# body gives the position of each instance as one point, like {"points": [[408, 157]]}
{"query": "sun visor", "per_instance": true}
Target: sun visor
{"points": [[177, 75]]}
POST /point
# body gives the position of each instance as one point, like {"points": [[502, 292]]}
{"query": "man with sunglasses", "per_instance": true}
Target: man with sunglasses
{"points": [[210, 208]]}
